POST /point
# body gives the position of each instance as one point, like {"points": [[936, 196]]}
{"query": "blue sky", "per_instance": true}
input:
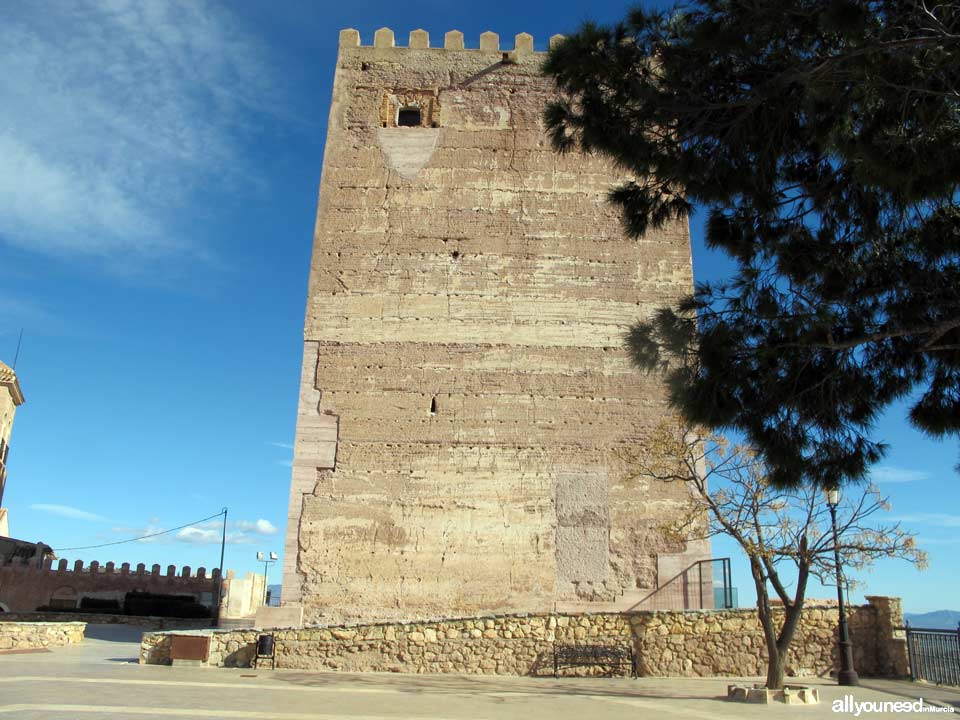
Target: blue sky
{"points": [[160, 165]]}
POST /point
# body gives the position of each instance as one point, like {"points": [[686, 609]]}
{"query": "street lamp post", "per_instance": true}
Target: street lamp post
{"points": [[266, 560], [846, 675]]}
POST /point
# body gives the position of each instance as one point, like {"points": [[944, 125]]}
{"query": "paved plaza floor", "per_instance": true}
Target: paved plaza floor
{"points": [[100, 679]]}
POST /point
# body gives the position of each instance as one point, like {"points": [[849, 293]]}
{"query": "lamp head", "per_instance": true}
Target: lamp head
{"points": [[273, 556], [260, 557], [833, 496]]}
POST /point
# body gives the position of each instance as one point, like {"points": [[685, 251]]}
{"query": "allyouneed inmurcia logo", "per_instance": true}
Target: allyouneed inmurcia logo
{"points": [[847, 704]]}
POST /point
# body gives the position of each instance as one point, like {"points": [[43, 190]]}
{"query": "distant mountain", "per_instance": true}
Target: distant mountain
{"points": [[941, 619]]}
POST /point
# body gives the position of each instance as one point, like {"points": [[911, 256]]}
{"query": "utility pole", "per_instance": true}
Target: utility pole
{"points": [[218, 586]]}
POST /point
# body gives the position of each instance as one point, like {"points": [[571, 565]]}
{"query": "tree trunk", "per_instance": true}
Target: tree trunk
{"points": [[791, 621], [775, 669], [775, 659]]}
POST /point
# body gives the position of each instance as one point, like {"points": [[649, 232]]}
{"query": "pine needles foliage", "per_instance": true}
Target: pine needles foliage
{"points": [[823, 137]]}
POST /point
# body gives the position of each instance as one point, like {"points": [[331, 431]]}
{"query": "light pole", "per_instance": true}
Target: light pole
{"points": [[218, 584], [266, 560], [846, 675]]}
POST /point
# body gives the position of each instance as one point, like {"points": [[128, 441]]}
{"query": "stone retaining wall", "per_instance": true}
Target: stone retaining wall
{"points": [[704, 644], [30, 635], [668, 643], [147, 622]]}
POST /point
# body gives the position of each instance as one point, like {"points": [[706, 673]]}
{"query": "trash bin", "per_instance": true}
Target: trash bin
{"points": [[265, 651], [265, 646]]}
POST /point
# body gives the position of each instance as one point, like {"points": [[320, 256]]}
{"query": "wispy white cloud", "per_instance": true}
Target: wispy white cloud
{"points": [[198, 536], [115, 115], [68, 512], [931, 519], [887, 474], [209, 532], [19, 312], [260, 526], [286, 462], [152, 528], [923, 541], [206, 536], [36, 318]]}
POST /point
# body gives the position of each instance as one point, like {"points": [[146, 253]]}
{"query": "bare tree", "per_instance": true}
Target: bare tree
{"points": [[786, 534]]}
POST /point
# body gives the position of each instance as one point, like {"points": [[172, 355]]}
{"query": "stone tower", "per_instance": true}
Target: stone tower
{"points": [[11, 397], [465, 387]]}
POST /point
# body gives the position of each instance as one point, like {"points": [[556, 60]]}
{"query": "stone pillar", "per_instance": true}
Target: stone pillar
{"points": [[891, 642]]}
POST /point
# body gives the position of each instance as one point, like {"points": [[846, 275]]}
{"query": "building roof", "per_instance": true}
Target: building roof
{"points": [[12, 549], [8, 379]]}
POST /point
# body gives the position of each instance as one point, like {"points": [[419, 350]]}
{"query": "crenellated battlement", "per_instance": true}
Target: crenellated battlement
{"points": [[25, 586], [453, 40], [63, 567]]}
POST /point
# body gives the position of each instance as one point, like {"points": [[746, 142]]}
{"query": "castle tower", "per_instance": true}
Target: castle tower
{"points": [[465, 389], [11, 397]]}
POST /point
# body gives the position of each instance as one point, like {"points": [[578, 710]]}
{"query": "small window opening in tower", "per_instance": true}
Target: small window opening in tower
{"points": [[433, 406], [408, 117]]}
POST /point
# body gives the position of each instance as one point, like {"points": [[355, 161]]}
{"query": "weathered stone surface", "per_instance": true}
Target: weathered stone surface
{"points": [[33, 635], [464, 390], [11, 396], [523, 644]]}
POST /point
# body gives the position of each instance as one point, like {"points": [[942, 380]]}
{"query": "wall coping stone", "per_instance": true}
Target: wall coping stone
{"points": [[655, 614], [46, 624], [37, 618], [667, 643]]}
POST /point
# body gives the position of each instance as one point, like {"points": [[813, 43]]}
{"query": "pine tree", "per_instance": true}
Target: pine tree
{"points": [[823, 137]]}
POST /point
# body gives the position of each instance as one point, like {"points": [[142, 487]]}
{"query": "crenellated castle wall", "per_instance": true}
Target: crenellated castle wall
{"points": [[465, 393], [25, 587]]}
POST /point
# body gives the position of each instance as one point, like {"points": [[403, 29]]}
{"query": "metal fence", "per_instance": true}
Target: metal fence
{"points": [[934, 655]]}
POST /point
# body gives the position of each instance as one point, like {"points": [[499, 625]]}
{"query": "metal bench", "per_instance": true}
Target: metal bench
{"points": [[610, 657]]}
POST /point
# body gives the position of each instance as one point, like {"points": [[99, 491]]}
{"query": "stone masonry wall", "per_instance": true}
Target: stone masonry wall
{"points": [[24, 587], [11, 396], [464, 383], [32, 635], [704, 644], [691, 644]]}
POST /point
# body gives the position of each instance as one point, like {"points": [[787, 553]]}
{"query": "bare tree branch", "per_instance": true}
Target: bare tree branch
{"points": [[771, 526]]}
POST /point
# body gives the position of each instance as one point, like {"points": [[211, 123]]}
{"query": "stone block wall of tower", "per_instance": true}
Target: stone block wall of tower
{"points": [[465, 389], [11, 396]]}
